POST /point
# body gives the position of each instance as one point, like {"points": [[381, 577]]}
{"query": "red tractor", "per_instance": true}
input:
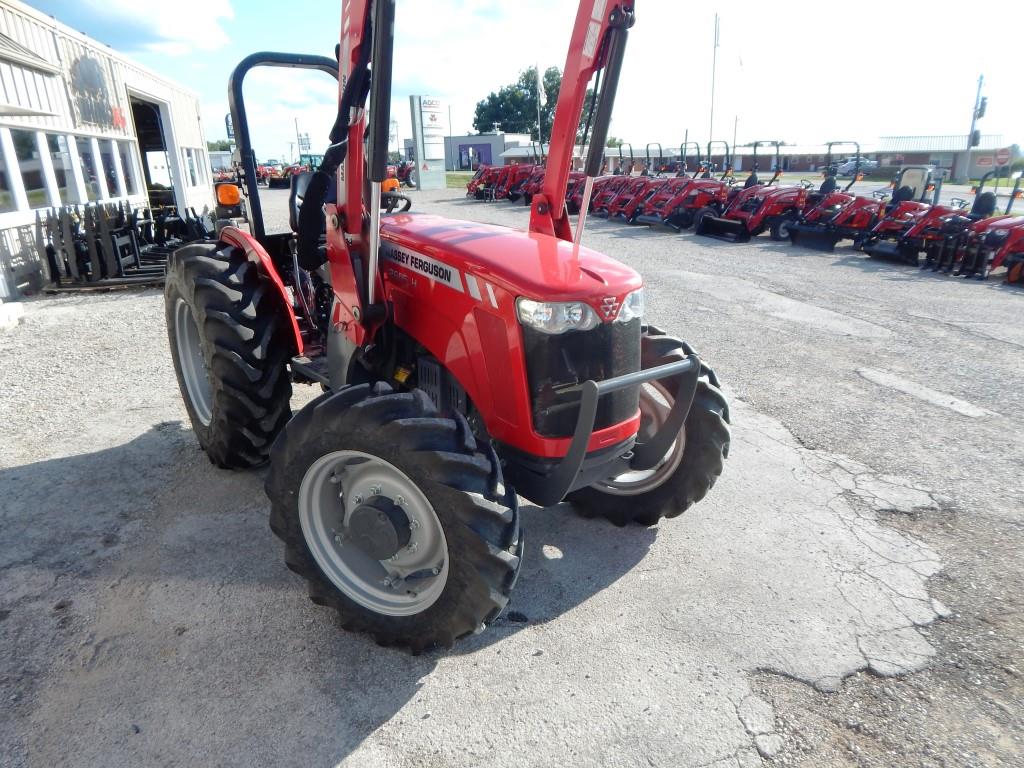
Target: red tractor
{"points": [[945, 240], [755, 208], [909, 226], [974, 247], [675, 204], [461, 363], [629, 205]]}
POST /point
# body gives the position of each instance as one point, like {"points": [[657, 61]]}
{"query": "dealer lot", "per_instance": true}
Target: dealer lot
{"points": [[867, 525]]}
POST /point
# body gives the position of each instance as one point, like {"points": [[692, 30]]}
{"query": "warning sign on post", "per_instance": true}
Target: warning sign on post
{"points": [[1003, 156]]}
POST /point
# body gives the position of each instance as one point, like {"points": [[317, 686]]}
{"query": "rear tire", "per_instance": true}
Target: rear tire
{"points": [[230, 342], [458, 482], [706, 446]]}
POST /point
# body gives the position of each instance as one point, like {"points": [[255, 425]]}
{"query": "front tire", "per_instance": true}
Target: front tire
{"points": [[780, 228], [230, 343], [393, 450], [691, 466], [698, 219]]}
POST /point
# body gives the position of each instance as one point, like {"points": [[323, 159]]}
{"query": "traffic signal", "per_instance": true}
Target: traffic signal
{"points": [[981, 107], [976, 138]]}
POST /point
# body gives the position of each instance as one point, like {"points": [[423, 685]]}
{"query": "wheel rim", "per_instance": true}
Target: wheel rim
{"points": [[784, 229], [333, 488], [655, 405], [193, 363]]}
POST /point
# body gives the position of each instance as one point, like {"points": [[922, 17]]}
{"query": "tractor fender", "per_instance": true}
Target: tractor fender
{"points": [[257, 254]]}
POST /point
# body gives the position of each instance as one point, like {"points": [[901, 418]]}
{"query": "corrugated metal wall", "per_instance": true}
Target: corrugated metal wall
{"points": [[65, 83]]}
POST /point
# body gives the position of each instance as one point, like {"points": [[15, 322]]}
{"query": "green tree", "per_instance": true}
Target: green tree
{"points": [[614, 141], [513, 107], [220, 145]]}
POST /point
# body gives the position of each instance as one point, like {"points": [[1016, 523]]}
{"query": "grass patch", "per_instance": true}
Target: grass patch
{"points": [[457, 179]]}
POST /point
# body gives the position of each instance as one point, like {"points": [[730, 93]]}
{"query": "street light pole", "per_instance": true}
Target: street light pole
{"points": [[714, 65], [965, 173], [298, 141]]}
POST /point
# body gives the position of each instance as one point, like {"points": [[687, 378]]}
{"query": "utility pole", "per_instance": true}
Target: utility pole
{"points": [[735, 123], [965, 172], [540, 95], [714, 65]]}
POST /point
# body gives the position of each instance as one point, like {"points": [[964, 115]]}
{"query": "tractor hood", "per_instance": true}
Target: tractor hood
{"points": [[523, 263]]}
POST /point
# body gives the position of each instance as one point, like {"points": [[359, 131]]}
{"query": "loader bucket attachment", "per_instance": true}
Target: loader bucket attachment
{"points": [[886, 249], [654, 221], [814, 238], [730, 230]]}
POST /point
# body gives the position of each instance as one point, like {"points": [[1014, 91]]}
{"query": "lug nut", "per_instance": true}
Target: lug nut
{"points": [[412, 547], [357, 499], [375, 490], [400, 501], [413, 524]]}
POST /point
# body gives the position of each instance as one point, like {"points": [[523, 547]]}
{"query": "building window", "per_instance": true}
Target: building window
{"points": [[204, 167], [6, 194], [60, 154], [89, 171], [31, 166], [131, 180], [189, 156], [109, 169]]}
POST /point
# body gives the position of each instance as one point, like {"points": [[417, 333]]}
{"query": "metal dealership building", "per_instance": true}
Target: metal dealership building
{"points": [[81, 124]]}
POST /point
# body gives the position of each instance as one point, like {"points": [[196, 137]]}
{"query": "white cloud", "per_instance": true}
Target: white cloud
{"points": [[177, 28], [811, 72]]}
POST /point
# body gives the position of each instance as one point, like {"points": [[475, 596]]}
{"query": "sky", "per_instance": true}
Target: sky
{"points": [[800, 72]]}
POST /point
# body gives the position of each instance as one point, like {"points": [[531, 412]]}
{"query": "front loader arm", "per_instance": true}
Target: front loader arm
{"points": [[598, 43]]}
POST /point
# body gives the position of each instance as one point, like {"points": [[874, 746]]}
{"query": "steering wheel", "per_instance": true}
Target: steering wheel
{"points": [[806, 183], [880, 195], [958, 202]]}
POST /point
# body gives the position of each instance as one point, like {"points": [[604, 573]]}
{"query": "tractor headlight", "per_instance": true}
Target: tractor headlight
{"points": [[632, 307], [556, 317]]}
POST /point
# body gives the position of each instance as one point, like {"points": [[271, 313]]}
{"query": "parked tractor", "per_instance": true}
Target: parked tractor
{"points": [[756, 208], [974, 246], [462, 364]]}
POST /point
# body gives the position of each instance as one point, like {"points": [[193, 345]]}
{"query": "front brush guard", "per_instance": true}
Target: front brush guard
{"points": [[550, 487]]}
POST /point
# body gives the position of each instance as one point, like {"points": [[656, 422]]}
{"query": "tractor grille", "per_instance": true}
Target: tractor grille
{"points": [[611, 349]]}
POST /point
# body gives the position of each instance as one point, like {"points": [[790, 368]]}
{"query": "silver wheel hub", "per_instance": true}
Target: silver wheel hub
{"points": [[193, 363], [373, 533], [655, 405]]}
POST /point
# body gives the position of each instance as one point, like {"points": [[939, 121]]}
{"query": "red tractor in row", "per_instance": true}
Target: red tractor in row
{"points": [[462, 365], [840, 215], [973, 245], [755, 208], [675, 204]]}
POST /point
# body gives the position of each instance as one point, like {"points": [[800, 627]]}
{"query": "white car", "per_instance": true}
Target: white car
{"points": [[848, 167]]}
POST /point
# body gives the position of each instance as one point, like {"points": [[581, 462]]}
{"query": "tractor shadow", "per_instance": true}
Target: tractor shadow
{"points": [[188, 570]]}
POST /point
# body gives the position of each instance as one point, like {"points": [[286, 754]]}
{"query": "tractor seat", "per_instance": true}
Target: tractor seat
{"points": [[901, 195], [984, 206], [296, 194]]}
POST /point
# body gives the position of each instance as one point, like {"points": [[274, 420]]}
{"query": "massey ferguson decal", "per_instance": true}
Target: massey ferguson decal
{"points": [[431, 268], [609, 307]]}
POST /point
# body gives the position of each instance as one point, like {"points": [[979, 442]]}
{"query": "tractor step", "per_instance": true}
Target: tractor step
{"points": [[313, 370]]}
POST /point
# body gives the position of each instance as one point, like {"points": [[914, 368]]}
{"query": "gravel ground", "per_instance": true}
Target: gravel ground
{"points": [[849, 594]]}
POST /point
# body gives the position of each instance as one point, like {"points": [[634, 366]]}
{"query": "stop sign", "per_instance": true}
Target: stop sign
{"points": [[1002, 156]]}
